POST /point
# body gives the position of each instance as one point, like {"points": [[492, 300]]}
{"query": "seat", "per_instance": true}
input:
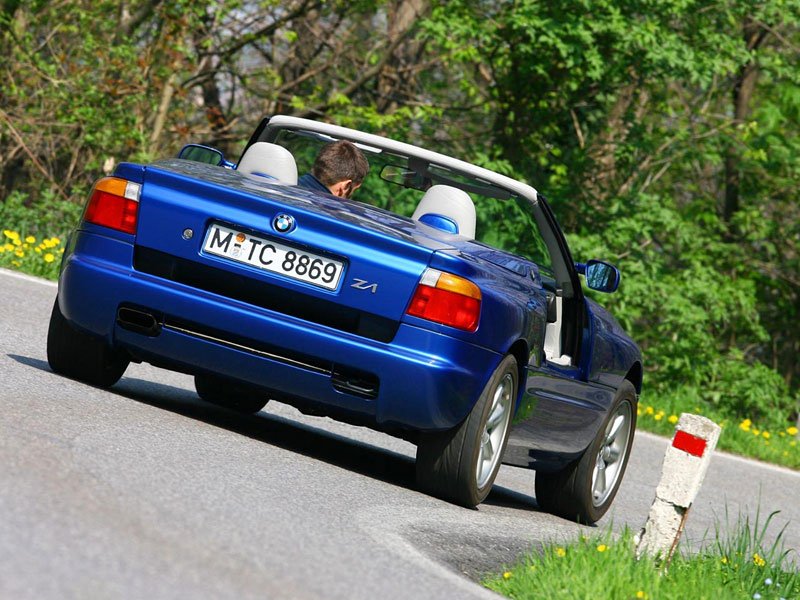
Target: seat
{"points": [[447, 208], [270, 160]]}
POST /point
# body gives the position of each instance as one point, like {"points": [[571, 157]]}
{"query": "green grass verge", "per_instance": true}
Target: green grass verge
{"points": [[31, 254], [605, 566], [32, 237], [776, 443]]}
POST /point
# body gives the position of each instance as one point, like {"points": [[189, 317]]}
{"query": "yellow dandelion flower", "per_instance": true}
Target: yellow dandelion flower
{"points": [[8, 247], [641, 594], [560, 552], [638, 411], [756, 432], [758, 561], [19, 253], [745, 425], [782, 433], [791, 430], [55, 241], [16, 242], [12, 235], [649, 410], [30, 239], [37, 250], [2, 249], [602, 548], [15, 263], [766, 435], [673, 419], [658, 416], [724, 560], [507, 575], [48, 258]]}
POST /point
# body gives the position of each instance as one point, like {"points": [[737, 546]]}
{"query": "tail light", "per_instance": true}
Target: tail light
{"points": [[114, 203], [447, 299]]}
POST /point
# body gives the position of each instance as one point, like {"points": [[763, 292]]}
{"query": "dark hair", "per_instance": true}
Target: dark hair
{"points": [[338, 161]]}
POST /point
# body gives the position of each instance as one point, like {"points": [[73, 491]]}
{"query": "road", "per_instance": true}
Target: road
{"points": [[143, 491]]}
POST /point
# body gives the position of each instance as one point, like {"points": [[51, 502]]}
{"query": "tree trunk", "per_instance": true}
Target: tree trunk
{"points": [[742, 94], [402, 16]]}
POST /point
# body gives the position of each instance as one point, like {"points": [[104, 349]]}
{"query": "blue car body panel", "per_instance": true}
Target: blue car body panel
{"points": [[352, 351]]}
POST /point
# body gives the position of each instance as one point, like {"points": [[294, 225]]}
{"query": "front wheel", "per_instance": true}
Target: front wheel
{"points": [[584, 490], [80, 356], [461, 464]]}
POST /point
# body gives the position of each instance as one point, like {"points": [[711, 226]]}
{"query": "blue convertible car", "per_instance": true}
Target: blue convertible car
{"points": [[442, 305]]}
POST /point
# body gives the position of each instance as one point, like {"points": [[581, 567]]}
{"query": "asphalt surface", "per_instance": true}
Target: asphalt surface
{"points": [[143, 491]]}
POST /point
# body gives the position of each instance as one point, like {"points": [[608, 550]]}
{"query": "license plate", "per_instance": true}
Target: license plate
{"points": [[276, 257]]}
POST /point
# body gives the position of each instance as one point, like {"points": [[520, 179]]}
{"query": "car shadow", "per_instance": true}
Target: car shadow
{"points": [[313, 442]]}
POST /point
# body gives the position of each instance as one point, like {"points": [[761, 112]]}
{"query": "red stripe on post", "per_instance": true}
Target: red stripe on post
{"points": [[687, 442]]}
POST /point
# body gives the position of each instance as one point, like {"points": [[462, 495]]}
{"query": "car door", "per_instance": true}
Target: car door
{"points": [[560, 409]]}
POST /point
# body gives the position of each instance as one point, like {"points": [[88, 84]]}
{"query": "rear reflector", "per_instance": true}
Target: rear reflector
{"points": [[114, 203], [447, 299]]}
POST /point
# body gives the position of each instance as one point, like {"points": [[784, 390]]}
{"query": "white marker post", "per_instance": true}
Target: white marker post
{"points": [[685, 466]]}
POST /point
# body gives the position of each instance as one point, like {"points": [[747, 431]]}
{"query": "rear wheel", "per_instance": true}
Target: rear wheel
{"points": [[230, 394], [461, 464], [80, 356], [584, 490]]}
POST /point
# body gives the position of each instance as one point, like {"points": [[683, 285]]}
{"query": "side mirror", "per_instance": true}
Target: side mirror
{"points": [[202, 154], [600, 276]]}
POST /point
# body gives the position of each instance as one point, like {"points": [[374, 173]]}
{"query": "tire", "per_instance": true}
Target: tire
{"points": [[228, 393], [77, 355], [460, 465], [584, 490]]}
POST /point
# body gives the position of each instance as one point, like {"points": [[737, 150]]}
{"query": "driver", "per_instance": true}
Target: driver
{"points": [[339, 169]]}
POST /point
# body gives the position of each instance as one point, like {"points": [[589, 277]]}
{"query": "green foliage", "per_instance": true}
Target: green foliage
{"points": [[684, 295], [49, 217], [33, 236]]}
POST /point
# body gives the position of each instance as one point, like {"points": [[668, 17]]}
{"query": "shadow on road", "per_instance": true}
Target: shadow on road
{"points": [[360, 457]]}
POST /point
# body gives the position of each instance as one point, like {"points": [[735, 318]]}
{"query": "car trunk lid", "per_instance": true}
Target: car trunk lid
{"points": [[191, 215]]}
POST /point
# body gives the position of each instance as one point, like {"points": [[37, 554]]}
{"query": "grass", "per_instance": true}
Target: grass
{"points": [[741, 565], [32, 238], [27, 253]]}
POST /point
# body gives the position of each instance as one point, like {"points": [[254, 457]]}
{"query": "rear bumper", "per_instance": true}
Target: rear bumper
{"points": [[426, 380]]}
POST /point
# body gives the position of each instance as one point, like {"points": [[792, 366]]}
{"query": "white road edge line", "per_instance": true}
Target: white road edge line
{"points": [[733, 457], [26, 277]]}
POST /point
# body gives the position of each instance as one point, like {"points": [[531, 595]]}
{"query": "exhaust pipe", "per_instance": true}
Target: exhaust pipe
{"points": [[139, 321]]}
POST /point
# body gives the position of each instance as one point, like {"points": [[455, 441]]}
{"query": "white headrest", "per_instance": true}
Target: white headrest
{"points": [[263, 158], [451, 203]]}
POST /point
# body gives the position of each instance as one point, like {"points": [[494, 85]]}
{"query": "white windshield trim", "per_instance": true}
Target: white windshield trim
{"points": [[377, 141]]}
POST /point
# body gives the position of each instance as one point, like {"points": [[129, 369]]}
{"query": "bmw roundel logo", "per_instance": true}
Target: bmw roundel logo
{"points": [[283, 223]]}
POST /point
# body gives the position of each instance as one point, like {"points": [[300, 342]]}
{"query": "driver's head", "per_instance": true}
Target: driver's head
{"points": [[341, 167]]}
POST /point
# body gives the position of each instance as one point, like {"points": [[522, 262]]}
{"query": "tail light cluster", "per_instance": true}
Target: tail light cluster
{"points": [[114, 203], [448, 299]]}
